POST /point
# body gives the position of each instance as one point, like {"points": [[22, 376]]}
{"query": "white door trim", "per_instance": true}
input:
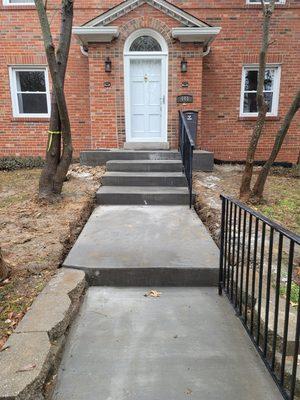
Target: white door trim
{"points": [[164, 97], [163, 56]]}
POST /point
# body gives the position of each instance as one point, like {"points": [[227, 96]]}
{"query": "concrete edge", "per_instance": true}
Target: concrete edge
{"points": [[32, 353]]}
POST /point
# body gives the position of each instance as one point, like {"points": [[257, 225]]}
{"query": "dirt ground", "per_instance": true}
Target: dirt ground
{"points": [[35, 236], [281, 197]]}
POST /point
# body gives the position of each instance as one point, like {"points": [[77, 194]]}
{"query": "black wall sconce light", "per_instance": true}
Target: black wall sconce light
{"points": [[107, 65], [184, 65]]}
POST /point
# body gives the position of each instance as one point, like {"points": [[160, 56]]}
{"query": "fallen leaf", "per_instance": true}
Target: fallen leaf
{"points": [[28, 367], [189, 391], [152, 293], [4, 348]]}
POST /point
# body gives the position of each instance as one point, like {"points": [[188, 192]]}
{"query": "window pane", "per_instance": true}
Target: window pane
{"points": [[269, 79], [145, 43], [251, 80], [32, 103], [250, 103], [31, 81], [269, 100]]}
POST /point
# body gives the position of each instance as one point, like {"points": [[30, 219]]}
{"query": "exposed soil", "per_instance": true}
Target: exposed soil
{"points": [[35, 236], [281, 196]]}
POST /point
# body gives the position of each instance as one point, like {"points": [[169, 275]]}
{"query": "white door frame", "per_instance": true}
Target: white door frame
{"points": [[163, 56]]}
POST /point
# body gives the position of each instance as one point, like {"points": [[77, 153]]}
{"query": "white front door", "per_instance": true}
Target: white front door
{"points": [[147, 100]]}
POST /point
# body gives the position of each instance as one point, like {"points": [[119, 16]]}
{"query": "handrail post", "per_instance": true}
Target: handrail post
{"points": [[222, 247]]}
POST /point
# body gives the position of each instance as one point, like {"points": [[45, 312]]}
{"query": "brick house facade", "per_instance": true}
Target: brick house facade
{"points": [[104, 106]]}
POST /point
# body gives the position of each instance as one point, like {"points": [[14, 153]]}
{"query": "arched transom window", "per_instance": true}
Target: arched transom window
{"points": [[145, 43]]}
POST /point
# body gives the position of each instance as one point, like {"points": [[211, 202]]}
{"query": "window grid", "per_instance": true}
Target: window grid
{"points": [[15, 91]]}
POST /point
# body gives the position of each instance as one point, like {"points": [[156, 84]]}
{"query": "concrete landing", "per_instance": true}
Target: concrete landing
{"points": [[202, 160], [186, 344], [140, 245]]}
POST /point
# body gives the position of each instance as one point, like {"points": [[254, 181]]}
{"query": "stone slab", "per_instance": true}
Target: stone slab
{"points": [[186, 344], [24, 350], [145, 240], [52, 310], [36, 345]]}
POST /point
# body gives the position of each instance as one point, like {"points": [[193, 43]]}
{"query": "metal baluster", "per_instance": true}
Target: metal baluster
{"points": [[242, 261], [266, 331], [287, 310], [296, 351], [222, 247], [238, 258], [261, 269], [254, 274], [277, 294], [229, 248], [233, 253], [248, 267]]}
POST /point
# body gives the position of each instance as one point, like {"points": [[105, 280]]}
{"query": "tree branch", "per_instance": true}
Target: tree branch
{"points": [[281, 134]]}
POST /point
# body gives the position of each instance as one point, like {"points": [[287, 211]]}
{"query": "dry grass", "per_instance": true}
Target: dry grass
{"points": [[35, 236]]}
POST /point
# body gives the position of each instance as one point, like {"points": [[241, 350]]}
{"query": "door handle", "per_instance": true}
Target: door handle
{"points": [[163, 99]]}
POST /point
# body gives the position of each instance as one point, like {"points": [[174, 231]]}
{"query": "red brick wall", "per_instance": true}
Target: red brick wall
{"points": [[97, 113]]}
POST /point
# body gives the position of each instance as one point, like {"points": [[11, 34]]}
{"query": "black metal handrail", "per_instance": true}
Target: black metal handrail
{"points": [[257, 261], [186, 148]]}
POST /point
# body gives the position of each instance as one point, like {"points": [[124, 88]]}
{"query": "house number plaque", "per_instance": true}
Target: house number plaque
{"points": [[185, 98]]}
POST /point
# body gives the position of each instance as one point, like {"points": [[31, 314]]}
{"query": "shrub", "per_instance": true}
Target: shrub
{"points": [[13, 163]]}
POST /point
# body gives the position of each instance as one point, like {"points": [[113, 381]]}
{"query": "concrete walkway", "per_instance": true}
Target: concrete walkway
{"points": [[186, 344]]}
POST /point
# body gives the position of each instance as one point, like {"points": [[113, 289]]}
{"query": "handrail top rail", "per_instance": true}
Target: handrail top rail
{"points": [[287, 233], [187, 128]]}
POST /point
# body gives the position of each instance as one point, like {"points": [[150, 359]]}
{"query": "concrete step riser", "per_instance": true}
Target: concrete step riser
{"points": [[153, 277], [179, 181], [144, 167], [142, 199]]}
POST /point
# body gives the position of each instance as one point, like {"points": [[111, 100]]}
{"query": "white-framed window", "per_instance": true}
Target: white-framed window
{"points": [[30, 91], [18, 2], [248, 106], [266, 1]]}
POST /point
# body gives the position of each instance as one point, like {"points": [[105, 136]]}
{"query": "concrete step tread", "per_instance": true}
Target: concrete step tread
{"points": [[143, 189], [176, 162], [145, 174]]}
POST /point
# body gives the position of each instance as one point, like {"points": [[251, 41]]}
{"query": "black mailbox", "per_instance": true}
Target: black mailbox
{"points": [[192, 121]]}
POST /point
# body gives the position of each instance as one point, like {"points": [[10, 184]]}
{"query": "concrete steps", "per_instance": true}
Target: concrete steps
{"points": [[144, 166], [142, 195], [143, 182]]}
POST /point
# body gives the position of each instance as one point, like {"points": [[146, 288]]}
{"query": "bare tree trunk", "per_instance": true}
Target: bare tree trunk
{"points": [[57, 161], [262, 106], [258, 189], [4, 268]]}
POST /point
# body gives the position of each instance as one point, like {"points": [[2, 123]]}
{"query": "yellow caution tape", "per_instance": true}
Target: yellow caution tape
{"points": [[51, 133]]}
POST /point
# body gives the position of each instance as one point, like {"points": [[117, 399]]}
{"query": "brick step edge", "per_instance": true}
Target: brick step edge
{"points": [[33, 352]]}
